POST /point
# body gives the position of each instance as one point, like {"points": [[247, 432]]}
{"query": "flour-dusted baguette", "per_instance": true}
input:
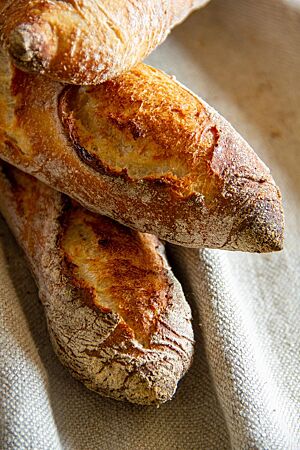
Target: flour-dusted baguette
{"points": [[144, 151], [116, 315], [87, 41]]}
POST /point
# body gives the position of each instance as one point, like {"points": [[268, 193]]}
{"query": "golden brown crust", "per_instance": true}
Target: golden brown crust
{"points": [[118, 264], [131, 115], [87, 41], [116, 315], [146, 152]]}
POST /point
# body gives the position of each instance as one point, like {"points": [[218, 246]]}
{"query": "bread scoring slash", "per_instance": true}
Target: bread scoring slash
{"points": [[145, 151], [116, 315]]}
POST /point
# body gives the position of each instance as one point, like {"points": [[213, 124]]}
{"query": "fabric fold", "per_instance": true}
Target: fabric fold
{"points": [[243, 358]]}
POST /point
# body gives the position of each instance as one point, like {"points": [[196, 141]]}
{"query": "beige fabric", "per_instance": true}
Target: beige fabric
{"points": [[243, 390]]}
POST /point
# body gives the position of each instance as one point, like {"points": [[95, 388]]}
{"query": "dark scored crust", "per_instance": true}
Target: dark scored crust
{"points": [[90, 41], [123, 262], [146, 152], [116, 315]]}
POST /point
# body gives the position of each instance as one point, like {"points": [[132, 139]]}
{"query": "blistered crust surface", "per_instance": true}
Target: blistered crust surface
{"points": [[146, 152], [122, 127], [129, 338], [120, 268]]}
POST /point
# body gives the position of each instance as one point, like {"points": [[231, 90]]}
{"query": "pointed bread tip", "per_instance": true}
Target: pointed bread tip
{"points": [[262, 227], [255, 202], [265, 231], [31, 46]]}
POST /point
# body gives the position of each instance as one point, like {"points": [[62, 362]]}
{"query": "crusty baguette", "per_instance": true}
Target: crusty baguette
{"points": [[116, 315], [144, 151], [87, 41]]}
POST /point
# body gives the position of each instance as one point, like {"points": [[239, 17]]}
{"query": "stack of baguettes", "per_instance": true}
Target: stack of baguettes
{"points": [[122, 139]]}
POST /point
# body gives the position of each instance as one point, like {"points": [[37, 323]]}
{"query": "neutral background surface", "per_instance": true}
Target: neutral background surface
{"points": [[243, 390]]}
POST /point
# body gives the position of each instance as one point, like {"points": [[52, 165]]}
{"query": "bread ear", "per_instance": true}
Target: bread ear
{"points": [[145, 151], [90, 41], [116, 315]]}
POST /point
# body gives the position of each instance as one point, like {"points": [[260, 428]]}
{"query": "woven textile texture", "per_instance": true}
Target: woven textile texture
{"points": [[243, 390]]}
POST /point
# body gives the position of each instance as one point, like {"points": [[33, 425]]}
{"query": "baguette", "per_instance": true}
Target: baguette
{"points": [[144, 151], [87, 41], [116, 315]]}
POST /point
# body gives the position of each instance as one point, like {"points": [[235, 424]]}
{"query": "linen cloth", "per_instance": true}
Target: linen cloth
{"points": [[243, 390]]}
